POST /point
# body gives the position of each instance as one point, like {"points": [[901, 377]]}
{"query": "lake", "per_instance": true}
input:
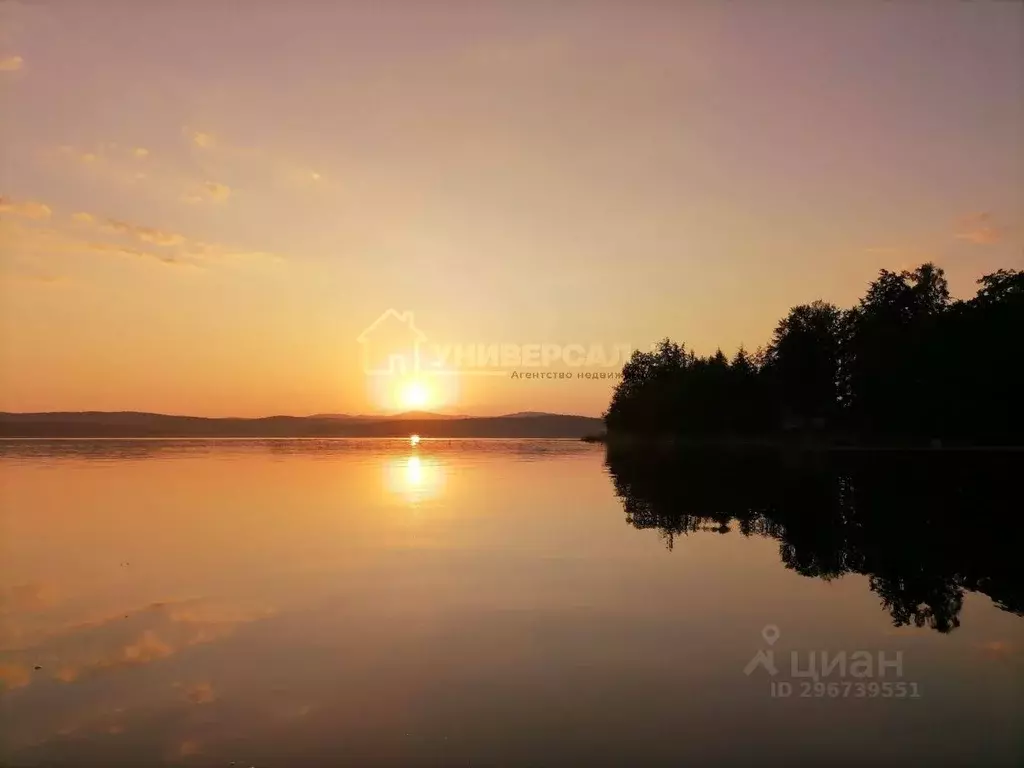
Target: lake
{"points": [[503, 603]]}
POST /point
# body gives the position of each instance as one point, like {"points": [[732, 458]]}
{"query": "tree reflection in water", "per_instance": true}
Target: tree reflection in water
{"points": [[922, 527]]}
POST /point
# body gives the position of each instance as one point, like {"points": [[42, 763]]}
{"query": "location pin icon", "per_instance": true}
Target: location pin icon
{"points": [[770, 634]]}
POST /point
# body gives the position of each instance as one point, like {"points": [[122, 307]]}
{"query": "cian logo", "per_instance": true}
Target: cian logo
{"points": [[765, 658]]}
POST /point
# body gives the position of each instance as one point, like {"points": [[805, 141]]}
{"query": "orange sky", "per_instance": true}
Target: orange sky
{"points": [[201, 213]]}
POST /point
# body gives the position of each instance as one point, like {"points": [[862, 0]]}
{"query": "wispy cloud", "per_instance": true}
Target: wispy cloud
{"points": [[978, 228], [217, 191], [11, 63], [123, 165], [208, 191], [29, 209], [125, 640], [180, 247], [202, 139], [29, 250], [198, 693], [197, 179], [108, 152], [81, 155], [278, 166], [120, 250], [149, 235], [133, 165]]}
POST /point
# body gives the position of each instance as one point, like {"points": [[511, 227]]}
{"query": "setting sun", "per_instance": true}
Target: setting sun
{"points": [[419, 392], [414, 395]]}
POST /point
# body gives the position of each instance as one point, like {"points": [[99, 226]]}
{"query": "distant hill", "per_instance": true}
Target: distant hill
{"points": [[424, 415], [127, 424]]}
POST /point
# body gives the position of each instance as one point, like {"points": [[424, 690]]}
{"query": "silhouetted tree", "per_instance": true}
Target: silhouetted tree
{"points": [[981, 385], [802, 363], [906, 363], [893, 353]]}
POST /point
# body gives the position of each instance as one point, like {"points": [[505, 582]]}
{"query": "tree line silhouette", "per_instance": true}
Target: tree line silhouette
{"points": [[906, 363], [924, 528]]}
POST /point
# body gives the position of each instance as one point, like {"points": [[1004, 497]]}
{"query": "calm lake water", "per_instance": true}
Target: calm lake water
{"points": [[500, 603]]}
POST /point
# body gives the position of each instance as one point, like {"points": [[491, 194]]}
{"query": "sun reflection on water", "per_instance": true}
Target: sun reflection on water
{"points": [[416, 478]]}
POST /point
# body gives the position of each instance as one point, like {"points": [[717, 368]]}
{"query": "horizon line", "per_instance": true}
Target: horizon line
{"points": [[411, 415]]}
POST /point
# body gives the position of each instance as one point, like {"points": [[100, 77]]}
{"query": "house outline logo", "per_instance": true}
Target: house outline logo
{"points": [[389, 360]]}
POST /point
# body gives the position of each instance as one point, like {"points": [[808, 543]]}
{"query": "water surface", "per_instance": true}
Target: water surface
{"points": [[494, 603]]}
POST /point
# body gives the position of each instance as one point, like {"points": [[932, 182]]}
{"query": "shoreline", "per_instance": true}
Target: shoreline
{"points": [[790, 444]]}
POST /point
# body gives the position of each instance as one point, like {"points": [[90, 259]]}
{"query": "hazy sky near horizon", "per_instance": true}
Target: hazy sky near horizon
{"points": [[203, 207]]}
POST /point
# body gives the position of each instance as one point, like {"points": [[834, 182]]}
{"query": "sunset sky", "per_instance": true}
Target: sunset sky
{"points": [[205, 204]]}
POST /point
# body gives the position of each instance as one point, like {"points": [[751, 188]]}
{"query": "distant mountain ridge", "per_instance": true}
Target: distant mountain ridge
{"points": [[128, 424], [405, 415]]}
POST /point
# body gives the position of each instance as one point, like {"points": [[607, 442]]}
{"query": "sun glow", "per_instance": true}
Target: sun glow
{"points": [[417, 392], [414, 395]]}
